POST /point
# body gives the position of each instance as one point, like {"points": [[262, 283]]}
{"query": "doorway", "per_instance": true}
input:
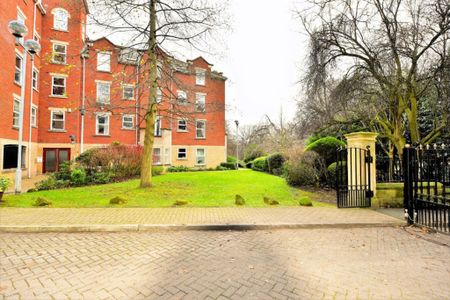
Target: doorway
{"points": [[54, 157]]}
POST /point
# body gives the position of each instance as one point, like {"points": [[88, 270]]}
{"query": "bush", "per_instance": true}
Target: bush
{"points": [[78, 177], [118, 200], [249, 165], [229, 165], [41, 201], [239, 200], [252, 152], [220, 168], [305, 201], [270, 201], [180, 203], [51, 183], [4, 183], [233, 159], [260, 164], [306, 170], [275, 163], [157, 170], [326, 147], [176, 169]]}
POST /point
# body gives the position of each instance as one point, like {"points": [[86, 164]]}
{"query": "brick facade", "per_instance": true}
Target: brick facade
{"points": [[73, 73]]}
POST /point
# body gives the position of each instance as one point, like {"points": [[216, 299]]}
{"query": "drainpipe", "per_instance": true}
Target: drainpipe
{"points": [[83, 100], [138, 71], [30, 128]]}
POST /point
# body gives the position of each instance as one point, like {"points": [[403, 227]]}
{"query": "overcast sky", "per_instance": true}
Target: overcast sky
{"points": [[261, 55], [266, 50]]}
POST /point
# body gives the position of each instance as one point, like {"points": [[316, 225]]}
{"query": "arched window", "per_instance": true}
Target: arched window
{"points": [[60, 19]]}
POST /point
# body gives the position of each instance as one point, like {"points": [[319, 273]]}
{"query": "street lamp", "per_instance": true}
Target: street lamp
{"points": [[19, 30], [237, 144]]}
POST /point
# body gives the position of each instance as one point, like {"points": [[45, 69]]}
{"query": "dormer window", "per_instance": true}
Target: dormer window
{"points": [[60, 19], [104, 61], [200, 76]]}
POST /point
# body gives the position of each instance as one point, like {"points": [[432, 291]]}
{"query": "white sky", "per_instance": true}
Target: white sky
{"points": [[264, 59]]}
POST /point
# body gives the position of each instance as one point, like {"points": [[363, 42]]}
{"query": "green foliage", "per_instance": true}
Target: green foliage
{"points": [[157, 170], [78, 177], [305, 201], [65, 171], [180, 203], [249, 165], [260, 164], [4, 183], [229, 165], [233, 159], [326, 147], [52, 183], [331, 174], [118, 200], [275, 163], [42, 201], [176, 169], [220, 168], [306, 170], [239, 200], [252, 152], [270, 201]]}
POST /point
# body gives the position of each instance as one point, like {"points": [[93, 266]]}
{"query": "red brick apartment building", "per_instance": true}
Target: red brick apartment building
{"points": [[81, 94]]}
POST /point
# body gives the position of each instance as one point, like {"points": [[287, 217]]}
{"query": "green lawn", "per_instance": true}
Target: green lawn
{"points": [[200, 189]]}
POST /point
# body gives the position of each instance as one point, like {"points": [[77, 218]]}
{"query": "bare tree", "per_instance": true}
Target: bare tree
{"points": [[390, 47], [149, 26]]}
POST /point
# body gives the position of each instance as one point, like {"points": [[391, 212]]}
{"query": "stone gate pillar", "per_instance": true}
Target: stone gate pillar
{"points": [[362, 140]]}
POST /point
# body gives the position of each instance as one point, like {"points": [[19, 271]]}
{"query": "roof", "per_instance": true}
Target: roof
{"points": [[201, 58]]}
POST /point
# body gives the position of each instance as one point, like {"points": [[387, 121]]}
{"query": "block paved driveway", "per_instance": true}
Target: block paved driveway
{"points": [[352, 263]]}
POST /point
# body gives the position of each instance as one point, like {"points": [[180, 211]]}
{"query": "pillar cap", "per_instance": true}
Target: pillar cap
{"points": [[367, 135]]}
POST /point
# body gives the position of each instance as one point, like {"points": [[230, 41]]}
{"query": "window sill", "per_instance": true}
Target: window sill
{"points": [[15, 127], [57, 130], [60, 30], [102, 71], [36, 90], [17, 83], [127, 129], [58, 96], [158, 135], [197, 138], [197, 84], [103, 103], [181, 158], [59, 63], [5, 171], [128, 99], [102, 135], [182, 131]]}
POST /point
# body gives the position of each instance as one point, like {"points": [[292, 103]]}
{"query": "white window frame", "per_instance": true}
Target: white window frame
{"points": [[16, 111], [61, 24], [185, 125], [18, 69], [62, 54], [98, 99], [200, 106], [64, 95], [35, 80], [200, 77], [34, 110], [182, 97], [127, 86], [128, 122], [106, 125], [158, 130], [197, 157], [197, 129], [21, 17], [52, 113], [105, 65], [185, 153], [160, 156]]}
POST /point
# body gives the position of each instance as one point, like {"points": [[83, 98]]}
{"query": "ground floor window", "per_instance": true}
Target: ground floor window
{"points": [[10, 156], [156, 156], [200, 156], [54, 157], [182, 153], [102, 126]]}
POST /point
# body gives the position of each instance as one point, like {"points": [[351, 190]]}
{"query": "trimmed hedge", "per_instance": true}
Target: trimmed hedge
{"points": [[326, 147], [275, 163], [229, 165], [260, 164]]}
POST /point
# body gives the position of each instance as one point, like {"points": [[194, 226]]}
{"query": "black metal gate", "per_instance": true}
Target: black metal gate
{"points": [[427, 186], [353, 178]]}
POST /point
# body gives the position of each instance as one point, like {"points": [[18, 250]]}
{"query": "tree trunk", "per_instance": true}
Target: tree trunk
{"points": [[150, 116]]}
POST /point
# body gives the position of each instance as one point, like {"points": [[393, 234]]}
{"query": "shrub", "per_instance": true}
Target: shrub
{"points": [[41, 201], [305, 201], [229, 165], [331, 174], [239, 200], [101, 177], [249, 165], [252, 152], [270, 201], [64, 172], [180, 203], [220, 168], [175, 169], [275, 163], [118, 200], [157, 170], [78, 177], [233, 159], [306, 170], [326, 147], [51, 183], [4, 183], [260, 164]]}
